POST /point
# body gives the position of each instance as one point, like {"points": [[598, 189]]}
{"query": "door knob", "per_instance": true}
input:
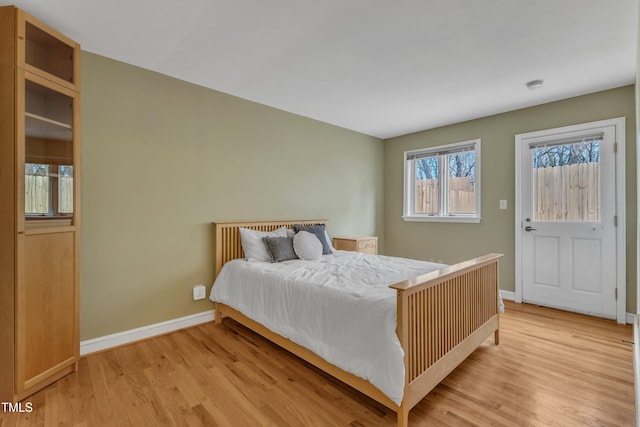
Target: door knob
{"points": [[529, 228]]}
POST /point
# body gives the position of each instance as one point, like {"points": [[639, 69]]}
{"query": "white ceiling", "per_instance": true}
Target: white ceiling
{"points": [[383, 68]]}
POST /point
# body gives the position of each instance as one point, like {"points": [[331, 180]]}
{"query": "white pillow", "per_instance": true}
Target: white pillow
{"points": [[253, 246], [307, 245]]}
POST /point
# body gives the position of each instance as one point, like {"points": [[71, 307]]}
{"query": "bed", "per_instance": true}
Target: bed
{"points": [[440, 317]]}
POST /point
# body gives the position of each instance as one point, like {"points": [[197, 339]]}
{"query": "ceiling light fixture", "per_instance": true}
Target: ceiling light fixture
{"points": [[535, 84]]}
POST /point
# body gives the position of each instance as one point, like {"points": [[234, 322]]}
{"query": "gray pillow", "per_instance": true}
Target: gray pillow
{"points": [[280, 248], [319, 231]]}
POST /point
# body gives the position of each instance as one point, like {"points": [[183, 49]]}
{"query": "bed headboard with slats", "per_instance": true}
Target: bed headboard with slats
{"points": [[227, 237]]}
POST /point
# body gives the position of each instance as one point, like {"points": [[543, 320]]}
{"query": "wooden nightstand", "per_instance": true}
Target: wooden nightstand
{"points": [[364, 244]]}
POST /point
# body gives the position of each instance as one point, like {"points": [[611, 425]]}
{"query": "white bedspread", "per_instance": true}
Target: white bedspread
{"points": [[340, 307]]}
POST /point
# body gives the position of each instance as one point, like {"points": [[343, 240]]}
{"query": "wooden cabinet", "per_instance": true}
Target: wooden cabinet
{"points": [[39, 204], [364, 244]]}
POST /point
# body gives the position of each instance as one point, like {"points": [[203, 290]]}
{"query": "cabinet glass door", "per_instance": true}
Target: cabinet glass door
{"points": [[49, 162]]}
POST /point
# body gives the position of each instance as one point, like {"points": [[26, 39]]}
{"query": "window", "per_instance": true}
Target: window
{"points": [[443, 183]]}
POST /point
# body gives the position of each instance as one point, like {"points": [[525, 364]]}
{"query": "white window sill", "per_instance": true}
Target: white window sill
{"points": [[435, 218]]}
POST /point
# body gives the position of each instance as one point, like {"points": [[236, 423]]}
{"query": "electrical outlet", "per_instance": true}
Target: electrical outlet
{"points": [[503, 204], [199, 292]]}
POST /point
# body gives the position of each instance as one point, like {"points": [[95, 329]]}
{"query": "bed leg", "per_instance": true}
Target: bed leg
{"points": [[496, 337], [403, 416], [218, 316]]}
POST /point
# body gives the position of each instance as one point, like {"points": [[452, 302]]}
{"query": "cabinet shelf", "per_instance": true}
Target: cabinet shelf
{"points": [[42, 127], [49, 53]]}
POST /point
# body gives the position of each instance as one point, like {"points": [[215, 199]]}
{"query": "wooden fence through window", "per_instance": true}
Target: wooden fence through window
{"points": [[567, 193], [462, 196]]}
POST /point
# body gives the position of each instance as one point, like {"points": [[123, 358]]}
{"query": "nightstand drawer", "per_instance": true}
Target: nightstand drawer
{"points": [[345, 244], [364, 244], [367, 245]]}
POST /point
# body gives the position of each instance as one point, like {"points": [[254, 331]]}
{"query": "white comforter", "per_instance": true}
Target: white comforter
{"points": [[340, 307]]}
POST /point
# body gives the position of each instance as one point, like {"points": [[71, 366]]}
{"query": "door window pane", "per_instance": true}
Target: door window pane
{"points": [[566, 182]]}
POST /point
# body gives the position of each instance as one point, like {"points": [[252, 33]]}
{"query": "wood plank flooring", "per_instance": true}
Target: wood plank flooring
{"points": [[551, 369]]}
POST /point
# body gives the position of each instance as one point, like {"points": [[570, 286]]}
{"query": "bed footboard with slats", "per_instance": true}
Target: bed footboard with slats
{"points": [[443, 317]]}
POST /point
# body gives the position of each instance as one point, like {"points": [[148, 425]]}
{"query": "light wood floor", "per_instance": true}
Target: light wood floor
{"points": [[551, 369]]}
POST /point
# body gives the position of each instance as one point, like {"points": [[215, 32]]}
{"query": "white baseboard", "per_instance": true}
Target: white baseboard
{"points": [[137, 334], [508, 295]]}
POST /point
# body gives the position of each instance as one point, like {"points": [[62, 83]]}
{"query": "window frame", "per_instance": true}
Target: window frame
{"points": [[442, 151]]}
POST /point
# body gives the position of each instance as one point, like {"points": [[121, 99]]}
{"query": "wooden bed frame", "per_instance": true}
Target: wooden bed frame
{"points": [[443, 316]]}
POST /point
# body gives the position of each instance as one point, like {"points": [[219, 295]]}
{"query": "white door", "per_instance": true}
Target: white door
{"points": [[567, 219]]}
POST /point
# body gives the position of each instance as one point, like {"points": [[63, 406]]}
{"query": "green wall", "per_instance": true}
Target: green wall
{"points": [[454, 242], [162, 159]]}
